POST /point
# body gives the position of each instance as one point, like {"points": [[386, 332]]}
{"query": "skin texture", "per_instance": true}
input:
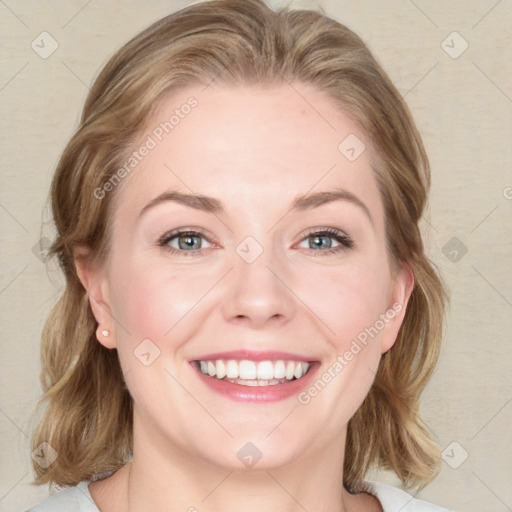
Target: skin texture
{"points": [[255, 150]]}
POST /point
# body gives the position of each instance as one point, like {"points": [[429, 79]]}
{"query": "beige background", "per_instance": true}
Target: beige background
{"points": [[463, 107]]}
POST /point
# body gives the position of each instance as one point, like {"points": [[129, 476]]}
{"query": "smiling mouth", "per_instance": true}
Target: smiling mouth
{"points": [[253, 373]]}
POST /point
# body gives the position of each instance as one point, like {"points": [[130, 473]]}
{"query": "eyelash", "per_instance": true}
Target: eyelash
{"points": [[344, 240]]}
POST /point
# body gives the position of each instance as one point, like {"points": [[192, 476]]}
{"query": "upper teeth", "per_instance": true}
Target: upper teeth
{"points": [[245, 369]]}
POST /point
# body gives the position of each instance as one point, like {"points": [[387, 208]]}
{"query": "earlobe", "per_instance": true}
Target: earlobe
{"points": [[403, 286], [105, 338], [95, 283]]}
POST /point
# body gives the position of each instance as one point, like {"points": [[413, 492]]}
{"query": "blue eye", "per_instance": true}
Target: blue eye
{"points": [[189, 242], [321, 242]]}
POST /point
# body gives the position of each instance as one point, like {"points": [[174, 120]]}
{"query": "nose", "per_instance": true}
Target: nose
{"points": [[257, 295]]}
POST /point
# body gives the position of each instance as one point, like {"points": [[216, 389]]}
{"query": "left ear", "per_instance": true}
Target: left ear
{"points": [[402, 287]]}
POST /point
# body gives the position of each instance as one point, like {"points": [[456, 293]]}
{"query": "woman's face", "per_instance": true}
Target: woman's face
{"points": [[268, 271]]}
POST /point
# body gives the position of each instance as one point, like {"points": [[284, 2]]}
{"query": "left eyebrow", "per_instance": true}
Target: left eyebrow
{"points": [[310, 201], [300, 203]]}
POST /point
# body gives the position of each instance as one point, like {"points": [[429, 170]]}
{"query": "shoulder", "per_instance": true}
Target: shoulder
{"points": [[72, 499], [393, 499]]}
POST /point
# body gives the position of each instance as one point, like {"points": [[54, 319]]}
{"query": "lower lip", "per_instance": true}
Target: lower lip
{"points": [[240, 393]]}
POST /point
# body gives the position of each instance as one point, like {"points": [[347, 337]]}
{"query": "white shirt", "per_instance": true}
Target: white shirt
{"points": [[78, 499]]}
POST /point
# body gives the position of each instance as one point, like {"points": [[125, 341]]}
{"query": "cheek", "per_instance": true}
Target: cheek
{"points": [[346, 299], [154, 304], [149, 300], [349, 302]]}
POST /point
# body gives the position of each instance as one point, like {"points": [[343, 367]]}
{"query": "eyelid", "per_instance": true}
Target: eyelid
{"points": [[181, 231], [324, 230]]}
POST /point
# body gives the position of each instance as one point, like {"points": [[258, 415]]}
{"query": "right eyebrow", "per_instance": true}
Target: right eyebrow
{"points": [[198, 202]]}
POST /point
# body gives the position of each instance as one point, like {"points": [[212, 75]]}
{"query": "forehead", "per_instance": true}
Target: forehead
{"points": [[250, 146]]}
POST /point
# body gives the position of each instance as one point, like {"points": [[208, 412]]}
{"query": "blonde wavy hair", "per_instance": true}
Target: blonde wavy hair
{"points": [[86, 407]]}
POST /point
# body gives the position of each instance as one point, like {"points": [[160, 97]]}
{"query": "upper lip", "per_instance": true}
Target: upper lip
{"points": [[252, 355]]}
